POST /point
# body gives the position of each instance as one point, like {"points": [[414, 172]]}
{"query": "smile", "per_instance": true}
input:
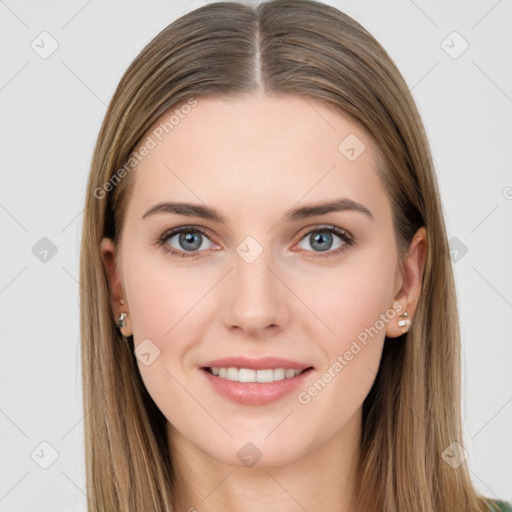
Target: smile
{"points": [[256, 387]]}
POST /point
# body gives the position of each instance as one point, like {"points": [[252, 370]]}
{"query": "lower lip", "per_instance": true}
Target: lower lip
{"points": [[255, 393]]}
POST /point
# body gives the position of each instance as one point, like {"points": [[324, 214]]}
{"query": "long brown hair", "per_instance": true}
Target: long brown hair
{"points": [[284, 47]]}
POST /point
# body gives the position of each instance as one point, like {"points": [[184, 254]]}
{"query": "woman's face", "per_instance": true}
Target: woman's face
{"points": [[260, 283]]}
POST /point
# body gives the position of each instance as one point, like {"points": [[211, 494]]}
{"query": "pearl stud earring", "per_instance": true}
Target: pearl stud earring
{"points": [[404, 323]]}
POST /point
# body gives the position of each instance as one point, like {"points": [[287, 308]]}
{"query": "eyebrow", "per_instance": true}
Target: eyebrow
{"points": [[300, 213]]}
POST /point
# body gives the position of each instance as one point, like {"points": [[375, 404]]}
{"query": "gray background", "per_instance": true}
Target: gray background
{"points": [[51, 110]]}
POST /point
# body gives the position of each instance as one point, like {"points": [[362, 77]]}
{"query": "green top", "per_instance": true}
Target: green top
{"points": [[502, 506]]}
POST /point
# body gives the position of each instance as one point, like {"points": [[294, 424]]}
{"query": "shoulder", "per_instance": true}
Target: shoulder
{"points": [[500, 506]]}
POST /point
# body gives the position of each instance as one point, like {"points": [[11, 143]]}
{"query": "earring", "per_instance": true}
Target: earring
{"points": [[121, 320], [404, 323]]}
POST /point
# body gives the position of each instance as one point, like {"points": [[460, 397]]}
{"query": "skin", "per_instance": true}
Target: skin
{"points": [[253, 159]]}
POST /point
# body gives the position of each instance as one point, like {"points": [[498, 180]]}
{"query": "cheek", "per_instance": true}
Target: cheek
{"points": [[162, 296], [356, 310], [350, 300], [167, 306], [164, 305]]}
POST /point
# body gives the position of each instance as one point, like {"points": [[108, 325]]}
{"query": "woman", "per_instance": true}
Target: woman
{"points": [[229, 360]]}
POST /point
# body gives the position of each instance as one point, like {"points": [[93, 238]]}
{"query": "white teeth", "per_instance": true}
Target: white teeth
{"points": [[246, 375], [250, 375], [232, 374], [265, 376], [279, 373]]}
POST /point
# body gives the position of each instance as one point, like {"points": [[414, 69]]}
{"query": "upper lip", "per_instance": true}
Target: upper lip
{"points": [[255, 364]]}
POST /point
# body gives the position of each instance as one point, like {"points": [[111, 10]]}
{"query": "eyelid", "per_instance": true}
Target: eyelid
{"points": [[327, 227], [347, 238], [180, 229]]}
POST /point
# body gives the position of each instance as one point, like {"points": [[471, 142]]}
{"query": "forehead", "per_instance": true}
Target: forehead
{"points": [[256, 150]]}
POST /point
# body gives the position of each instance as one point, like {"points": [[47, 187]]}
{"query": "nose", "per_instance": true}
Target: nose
{"points": [[257, 299]]}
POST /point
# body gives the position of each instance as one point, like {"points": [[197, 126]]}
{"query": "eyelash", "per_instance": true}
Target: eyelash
{"points": [[347, 238]]}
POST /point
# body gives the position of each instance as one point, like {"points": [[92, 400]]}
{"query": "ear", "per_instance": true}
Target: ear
{"points": [[110, 262], [412, 275]]}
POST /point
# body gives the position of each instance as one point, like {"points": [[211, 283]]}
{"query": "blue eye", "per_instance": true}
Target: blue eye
{"points": [[321, 239], [190, 240]]}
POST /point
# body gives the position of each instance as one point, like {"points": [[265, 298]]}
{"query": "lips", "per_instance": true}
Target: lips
{"points": [[263, 363], [224, 377]]}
